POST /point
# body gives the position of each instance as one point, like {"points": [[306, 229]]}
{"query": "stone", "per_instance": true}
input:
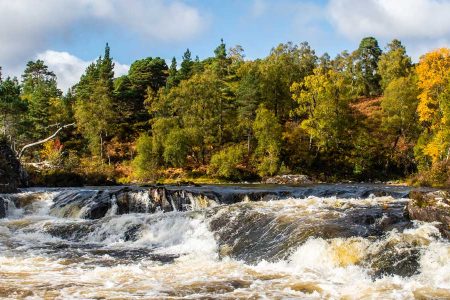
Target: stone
{"points": [[10, 169], [288, 179], [3, 208], [431, 207]]}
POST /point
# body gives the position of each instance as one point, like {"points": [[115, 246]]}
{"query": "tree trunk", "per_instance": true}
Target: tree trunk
{"points": [[101, 147]]}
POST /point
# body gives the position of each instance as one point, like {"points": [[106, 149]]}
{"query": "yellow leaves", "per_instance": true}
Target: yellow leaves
{"points": [[433, 72], [438, 147], [52, 151]]}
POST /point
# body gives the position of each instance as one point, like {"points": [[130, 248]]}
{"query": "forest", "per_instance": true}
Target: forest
{"points": [[366, 115]]}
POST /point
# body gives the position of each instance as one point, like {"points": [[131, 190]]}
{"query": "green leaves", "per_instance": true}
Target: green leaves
{"points": [[268, 134]]}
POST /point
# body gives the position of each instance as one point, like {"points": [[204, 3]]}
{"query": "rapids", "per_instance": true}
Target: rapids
{"points": [[219, 242]]}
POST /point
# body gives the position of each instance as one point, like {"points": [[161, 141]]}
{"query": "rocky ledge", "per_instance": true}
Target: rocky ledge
{"points": [[431, 207], [3, 208], [10, 169], [288, 179]]}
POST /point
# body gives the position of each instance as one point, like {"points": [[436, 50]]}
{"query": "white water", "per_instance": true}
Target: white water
{"points": [[177, 255]]}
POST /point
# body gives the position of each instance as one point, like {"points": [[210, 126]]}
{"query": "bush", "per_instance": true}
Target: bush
{"points": [[268, 134], [268, 165], [438, 175], [176, 148], [225, 164], [145, 164]]}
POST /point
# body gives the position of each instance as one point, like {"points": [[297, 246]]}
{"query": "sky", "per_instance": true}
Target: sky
{"points": [[69, 34]]}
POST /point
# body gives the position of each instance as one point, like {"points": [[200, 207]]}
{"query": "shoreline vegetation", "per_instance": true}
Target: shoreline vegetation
{"points": [[369, 115]]}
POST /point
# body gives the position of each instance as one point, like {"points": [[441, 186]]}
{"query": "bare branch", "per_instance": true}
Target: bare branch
{"points": [[44, 140]]}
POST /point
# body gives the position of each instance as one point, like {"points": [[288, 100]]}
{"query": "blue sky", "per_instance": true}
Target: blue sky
{"points": [[69, 34]]}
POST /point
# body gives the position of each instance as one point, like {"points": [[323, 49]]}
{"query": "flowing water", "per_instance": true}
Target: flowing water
{"points": [[334, 242]]}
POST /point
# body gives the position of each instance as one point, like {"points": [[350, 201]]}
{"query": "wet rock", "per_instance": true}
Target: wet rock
{"points": [[431, 207], [160, 199], [288, 179], [395, 260], [134, 202], [99, 206], [82, 204], [182, 200], [10, 169], [3, 208]]}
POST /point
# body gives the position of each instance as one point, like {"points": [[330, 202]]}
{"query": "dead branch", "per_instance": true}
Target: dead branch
{"points": [[44, 140]]}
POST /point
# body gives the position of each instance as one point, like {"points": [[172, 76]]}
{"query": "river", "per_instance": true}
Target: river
{"points": [[219, 242]]}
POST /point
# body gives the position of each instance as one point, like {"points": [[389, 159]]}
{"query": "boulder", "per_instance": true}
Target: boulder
{"points": [[3, 208], [431, 207], [10, 169], [288, 179]]}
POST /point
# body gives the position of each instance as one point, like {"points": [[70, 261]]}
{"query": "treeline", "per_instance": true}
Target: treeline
{"points": [[363, 115]]}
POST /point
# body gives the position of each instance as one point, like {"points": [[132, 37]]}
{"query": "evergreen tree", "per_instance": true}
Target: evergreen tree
{"points": [[186, 66], [39, 91], [12, 108], [367, 57], [394, 63], [94, 107], [172, 79]]}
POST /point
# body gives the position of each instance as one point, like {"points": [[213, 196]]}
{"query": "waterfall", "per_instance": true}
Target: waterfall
{"points": [[219, 242]]}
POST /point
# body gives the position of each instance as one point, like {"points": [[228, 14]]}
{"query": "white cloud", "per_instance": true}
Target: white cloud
{"points": [[391, 18], [258, 8], [158, 19], [422, 25], [26, 26], [69, 68]]}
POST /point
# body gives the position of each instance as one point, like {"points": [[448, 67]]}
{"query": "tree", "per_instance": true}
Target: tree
{"points": [[94, 106], [268, 134], [433, 80], [286, 64], [394, 63], [186, 66], [323, 100], [176, 147], [172, 79], [432, 72], [400, 120], [399, 106], [95, 118], [225, 163], [40, 91], [12, 108], [145, 164], [148, 72], [367, 57], [248, 97], [221, 61]]}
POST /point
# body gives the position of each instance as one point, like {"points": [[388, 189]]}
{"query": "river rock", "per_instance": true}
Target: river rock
{"points": [[10, 169], [3, 208], [431, 207], [288, 179]]}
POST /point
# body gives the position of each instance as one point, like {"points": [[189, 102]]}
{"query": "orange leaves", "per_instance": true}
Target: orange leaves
{"points": [[433, 72]]}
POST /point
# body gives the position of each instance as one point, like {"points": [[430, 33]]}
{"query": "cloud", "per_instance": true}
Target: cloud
{"points": [[390, 19], [69, 68], [158, 19], [28, 27], [422, 25], [258, 8]]}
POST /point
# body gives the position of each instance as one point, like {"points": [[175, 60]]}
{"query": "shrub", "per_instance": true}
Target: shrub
{"points": [[176, 148], [145, 164], [225, 163]]}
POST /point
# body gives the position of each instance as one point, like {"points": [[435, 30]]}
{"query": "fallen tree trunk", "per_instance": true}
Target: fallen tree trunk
{"points": [[19, 155]]}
